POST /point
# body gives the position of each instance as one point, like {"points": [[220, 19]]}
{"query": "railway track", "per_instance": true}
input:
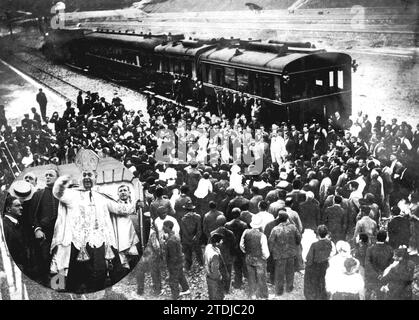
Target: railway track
{"points": [[47, 79]]}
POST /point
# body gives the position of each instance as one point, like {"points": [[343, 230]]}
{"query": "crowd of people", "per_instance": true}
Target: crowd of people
{"points": [[337, 202]]}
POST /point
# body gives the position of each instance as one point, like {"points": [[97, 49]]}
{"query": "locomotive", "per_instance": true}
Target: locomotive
{"points": [[294, 81]]}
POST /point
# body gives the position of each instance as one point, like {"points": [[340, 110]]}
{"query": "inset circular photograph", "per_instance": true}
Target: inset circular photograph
{"points": [[77, 227]]}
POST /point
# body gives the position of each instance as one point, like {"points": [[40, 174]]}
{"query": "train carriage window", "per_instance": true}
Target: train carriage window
{"points": [[331, 79], [204, 73], [176, 66], [253, 83], [277, 88], [230, 78], [297, 87], [242, 80], [266, 86], [340, 79], [166, 65], [209, 74], [188, 68], [218, 76]]}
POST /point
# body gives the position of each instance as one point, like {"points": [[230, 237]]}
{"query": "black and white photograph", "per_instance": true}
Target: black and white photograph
{"points": [[209, 150]]}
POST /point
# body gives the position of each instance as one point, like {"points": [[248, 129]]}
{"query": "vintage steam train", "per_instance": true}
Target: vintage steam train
{"points": [[294, 81]]}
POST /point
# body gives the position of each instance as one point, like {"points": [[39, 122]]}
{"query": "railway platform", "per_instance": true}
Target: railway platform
{"points": [[18, 94]]}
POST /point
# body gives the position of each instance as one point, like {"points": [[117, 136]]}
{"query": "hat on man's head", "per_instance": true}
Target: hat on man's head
{"points": [[283, 185], [189, 206], [257, 221], [22, 190]]}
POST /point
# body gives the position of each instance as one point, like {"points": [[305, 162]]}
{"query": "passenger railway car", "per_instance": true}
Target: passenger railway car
{"points": [[294, 81]]}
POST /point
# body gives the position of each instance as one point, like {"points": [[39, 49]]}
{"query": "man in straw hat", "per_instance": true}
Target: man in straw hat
{"points": [[13, 232], [24, 192], [84, 243], [255, 245]]}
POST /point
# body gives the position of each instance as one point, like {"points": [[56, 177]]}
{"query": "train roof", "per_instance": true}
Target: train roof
{"points": [[132, 40], [290, 60], [184, 48]]}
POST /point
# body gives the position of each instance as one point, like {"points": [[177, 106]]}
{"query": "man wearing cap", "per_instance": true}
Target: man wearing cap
{"points": [[190, 230], [214, 267], [227, 249], [181, 201], [174, 259], [283, 244], [237, 226], [255, 245]]}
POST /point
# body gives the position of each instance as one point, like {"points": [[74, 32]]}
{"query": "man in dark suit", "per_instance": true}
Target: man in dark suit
{"points": [[45, 210], [335, 220], [378, 258], [239, 201], [41, 98], [227, 249], [319, 144], [13, 232], [237, 226], [296, 194], [302, 147], [310, 212], [398, 229], [290, 145]]}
